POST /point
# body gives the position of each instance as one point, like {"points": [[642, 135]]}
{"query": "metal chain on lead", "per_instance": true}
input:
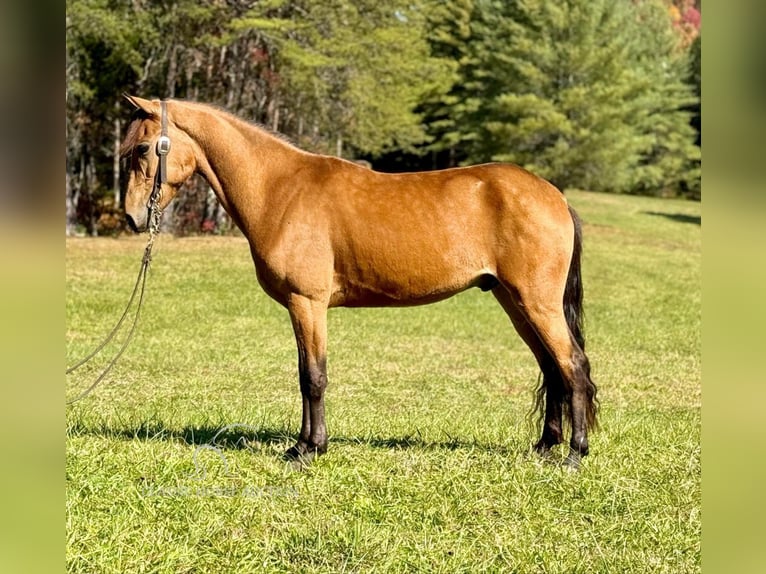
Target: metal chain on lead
{"points": [[155, 217]]}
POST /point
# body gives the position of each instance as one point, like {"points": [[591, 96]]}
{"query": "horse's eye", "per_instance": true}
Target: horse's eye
{"points": [[142, 148]]}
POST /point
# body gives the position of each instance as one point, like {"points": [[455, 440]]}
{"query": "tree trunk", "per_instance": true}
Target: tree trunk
{"points": [[90, 178], [170, 84], [275, 118], [116, 162], [72, 195]]}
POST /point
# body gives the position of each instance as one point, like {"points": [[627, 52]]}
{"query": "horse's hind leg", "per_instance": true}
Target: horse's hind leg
{"points": [[578, 395], [552, 388], [540, 303]]}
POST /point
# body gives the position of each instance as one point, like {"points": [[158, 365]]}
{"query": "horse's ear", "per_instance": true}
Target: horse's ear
{"points": [[148, 107]]}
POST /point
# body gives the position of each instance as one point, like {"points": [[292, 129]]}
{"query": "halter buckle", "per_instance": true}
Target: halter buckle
{"points": [[163, 145]]}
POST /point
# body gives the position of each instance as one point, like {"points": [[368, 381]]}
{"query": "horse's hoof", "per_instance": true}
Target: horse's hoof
{"points": [[295, 452], [302, 462], [543, 450], [572, 461], [302, 454]]}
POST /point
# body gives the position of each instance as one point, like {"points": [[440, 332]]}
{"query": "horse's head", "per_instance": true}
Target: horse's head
{"points": [[142, 148]]}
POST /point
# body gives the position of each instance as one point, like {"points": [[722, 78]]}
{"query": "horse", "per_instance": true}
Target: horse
{"points": [[326, 232]]}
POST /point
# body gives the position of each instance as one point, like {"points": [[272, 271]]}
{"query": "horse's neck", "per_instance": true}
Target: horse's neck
{"points": [[238, 161]]}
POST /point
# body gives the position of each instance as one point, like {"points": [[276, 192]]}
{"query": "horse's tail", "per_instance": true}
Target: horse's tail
{"points": [[552, 384], [573, 291], [573, 311]]}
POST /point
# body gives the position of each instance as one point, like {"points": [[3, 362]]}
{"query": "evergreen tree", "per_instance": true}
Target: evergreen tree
{"points": [[694, 187], [671, 161], [450, 36], [587, 93]]}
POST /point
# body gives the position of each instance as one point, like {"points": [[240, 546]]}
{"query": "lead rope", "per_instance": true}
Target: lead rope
{"points": [[155, 215]]}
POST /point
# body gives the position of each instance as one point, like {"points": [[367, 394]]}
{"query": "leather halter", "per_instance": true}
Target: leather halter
{"points": [[163, 148]]}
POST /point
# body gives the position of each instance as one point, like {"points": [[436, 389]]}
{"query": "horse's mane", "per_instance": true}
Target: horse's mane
{"points": [[231, 116], [133, 134]]}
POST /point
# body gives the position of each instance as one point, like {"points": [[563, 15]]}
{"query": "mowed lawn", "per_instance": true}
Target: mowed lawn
{"points": [[429, 467]]}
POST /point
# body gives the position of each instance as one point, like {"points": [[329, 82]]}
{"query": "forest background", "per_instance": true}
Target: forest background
{"points": [[600, 95]]}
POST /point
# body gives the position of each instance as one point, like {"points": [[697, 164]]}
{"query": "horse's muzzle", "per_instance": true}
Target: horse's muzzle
{"points": [[135, 226]]}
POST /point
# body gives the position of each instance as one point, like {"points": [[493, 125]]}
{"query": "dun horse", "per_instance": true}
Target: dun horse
{"points": [[325, 232]]}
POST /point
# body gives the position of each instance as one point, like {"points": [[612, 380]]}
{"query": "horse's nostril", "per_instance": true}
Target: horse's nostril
{"points": [[131, 223]]}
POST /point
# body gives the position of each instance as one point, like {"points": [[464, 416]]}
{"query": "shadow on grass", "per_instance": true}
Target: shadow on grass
{"points": [[244, 436], [233, 436], [418, 442], [680, 217]]}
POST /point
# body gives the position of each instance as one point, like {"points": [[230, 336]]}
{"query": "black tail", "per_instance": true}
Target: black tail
{"points": [[573, 290], [574, 316], [553, 386]]}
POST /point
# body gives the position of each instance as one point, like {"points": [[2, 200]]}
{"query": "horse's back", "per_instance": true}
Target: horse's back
{"points": [[443, 193], [444, 210]]}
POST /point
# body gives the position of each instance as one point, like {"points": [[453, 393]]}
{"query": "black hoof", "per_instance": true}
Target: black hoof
{"points": [[543, 448], [296, 452], [572, 461], [301, 461], [302, 454]]}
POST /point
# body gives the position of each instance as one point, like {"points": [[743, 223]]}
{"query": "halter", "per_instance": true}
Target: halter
{"points": [[163, 148]]}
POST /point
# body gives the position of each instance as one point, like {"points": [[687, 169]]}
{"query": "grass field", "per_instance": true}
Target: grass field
{"points": [[429, 467]]}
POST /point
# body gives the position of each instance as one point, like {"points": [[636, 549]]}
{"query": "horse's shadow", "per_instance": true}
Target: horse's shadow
{"points": [[251, 437], [679, 217], [232, 436]]}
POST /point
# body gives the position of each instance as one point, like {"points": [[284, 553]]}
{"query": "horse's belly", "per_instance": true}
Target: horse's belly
{"points": [[415, 288], [357, 297]]}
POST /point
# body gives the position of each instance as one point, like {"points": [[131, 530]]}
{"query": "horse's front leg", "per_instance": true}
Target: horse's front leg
{"points": [[309, 320]]}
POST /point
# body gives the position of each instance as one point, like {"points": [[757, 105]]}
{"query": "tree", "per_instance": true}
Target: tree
{"points": [[686, 19], [100, 52], [450, 37], [354, 70], [694, 79], [587, 93]]}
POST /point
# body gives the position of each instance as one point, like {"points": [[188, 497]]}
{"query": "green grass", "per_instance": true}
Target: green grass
{"points": [[429, 467]]}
